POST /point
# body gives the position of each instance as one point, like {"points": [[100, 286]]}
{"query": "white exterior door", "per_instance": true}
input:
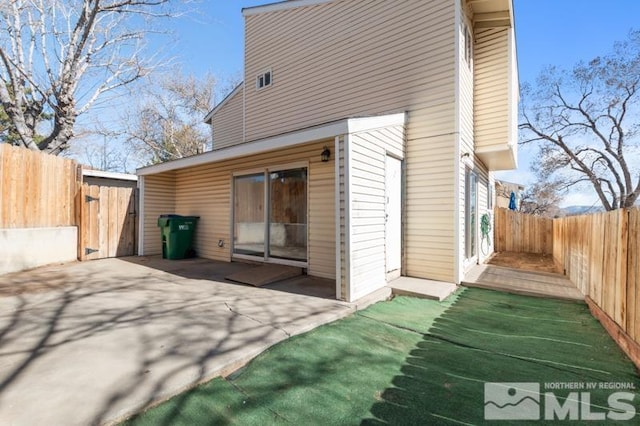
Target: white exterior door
{"points": [[393, 226]]}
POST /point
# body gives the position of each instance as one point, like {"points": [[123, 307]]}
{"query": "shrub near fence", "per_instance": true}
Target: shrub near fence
{"points": [[36, 190]]}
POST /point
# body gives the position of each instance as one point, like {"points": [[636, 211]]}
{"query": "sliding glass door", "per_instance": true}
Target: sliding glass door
{"points": [[248, 215], [279, 231], [471, 214], [288, 214]]}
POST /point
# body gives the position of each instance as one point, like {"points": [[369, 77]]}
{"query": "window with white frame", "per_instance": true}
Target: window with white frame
{"points": [[264, 80], [468, 44]]}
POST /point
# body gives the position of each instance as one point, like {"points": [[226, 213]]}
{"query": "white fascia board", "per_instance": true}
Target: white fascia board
{"points": [[227, 98], [365, 124], [326, 131], [496, 148], [300, 137], [109, 175], [283, 5]]}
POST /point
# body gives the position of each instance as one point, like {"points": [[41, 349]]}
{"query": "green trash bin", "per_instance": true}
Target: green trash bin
{"points": [[177, 235]]}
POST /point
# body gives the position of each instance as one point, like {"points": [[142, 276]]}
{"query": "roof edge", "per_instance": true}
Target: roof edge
{"points": [[365, 124], [209, 116], [282, 5], [108, 175], [297, 137], [285, 140]]}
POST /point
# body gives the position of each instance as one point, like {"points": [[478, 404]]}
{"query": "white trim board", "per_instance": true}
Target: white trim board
{"points": [[141, 216], [109, 175]]}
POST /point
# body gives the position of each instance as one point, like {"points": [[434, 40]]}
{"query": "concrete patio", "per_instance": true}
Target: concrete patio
{"points": [[89, 343]]}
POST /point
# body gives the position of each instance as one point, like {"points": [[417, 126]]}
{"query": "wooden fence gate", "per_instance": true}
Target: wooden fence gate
{"points": [[107, 222]]}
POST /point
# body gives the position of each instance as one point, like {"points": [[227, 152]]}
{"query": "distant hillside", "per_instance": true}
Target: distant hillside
{"points": [[578, 210]]}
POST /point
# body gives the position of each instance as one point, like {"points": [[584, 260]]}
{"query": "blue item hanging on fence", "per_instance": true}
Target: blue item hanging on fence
{"points": [[512, 201]]}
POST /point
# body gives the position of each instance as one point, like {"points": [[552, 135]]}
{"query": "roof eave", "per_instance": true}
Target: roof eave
{"points": [[299, 137], [282, 5]]}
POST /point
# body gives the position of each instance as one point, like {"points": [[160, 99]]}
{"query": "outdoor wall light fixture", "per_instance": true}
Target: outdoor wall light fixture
{"points": [[326, 153]]}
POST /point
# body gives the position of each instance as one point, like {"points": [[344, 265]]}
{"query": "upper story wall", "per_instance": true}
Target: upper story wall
{"points": [[492, 94], [496, 94], [227, 120], [488, 83], [347, 58]]}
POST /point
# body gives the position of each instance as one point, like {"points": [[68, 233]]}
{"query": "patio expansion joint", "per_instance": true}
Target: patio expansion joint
{"points": [[257, 320]]}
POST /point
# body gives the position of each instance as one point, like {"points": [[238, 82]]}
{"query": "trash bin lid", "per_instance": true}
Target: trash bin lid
{"points": [[165, 219]]}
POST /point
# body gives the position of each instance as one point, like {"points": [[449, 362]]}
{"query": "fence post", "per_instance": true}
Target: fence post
{"points": [[621, 268], [633, 274]]}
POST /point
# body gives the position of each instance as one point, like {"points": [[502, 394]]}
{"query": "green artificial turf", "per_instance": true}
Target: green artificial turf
{"points": [[409, 361]]}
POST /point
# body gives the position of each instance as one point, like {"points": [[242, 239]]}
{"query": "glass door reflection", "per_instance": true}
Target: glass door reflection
{"points": [[248, 215]]}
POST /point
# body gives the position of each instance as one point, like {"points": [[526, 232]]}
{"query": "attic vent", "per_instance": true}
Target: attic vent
{"points": [[263, 80]]}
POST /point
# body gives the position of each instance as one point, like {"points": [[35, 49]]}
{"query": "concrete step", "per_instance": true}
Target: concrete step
{"points": [[425, 289], [522, 282]]}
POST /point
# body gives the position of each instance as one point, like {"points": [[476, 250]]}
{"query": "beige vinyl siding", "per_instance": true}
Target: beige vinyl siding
{"points": [[158, 198], [466, 92], [351, 58], [492, 115], [346, 58], [368, 151], [205, 191], [466, 140], [430, 207], [468, 143], [322, 231], [228, 122], [368, 57]]}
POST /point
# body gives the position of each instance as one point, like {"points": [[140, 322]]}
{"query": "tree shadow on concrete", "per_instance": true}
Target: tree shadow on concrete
{"points": [[327, 376], [110, 339]]}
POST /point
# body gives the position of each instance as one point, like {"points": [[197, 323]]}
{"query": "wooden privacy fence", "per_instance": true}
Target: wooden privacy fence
{"points": [[522, 233], [39, 190], [36, 190], [600, 253], [107, 222]]}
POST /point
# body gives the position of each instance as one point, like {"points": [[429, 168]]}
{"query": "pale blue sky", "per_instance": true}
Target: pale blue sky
{"points": [[549, 32]]}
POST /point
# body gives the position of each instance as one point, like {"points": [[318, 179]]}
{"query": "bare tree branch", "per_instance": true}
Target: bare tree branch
{"points": [[58, 57], [584, 121], [167, 122]]}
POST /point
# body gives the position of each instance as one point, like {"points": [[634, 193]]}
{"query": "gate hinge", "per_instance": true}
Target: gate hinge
{"points": [[88, 251], [89, 198]]}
